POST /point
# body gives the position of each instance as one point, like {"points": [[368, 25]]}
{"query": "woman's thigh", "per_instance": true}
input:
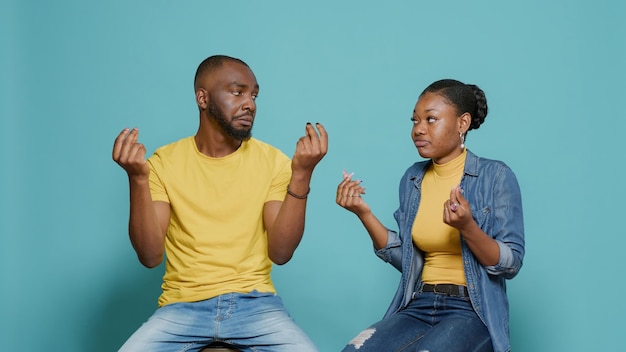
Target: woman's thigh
{"points": [[455, 325], [431, 322], [456, 335], [399, 332]]}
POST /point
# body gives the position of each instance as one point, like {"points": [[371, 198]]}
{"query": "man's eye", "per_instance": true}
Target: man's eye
{"points": [[254, 96], [237, 92]]}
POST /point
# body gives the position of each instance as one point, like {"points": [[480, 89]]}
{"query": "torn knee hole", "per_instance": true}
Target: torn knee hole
{"points": [[360, 339]]}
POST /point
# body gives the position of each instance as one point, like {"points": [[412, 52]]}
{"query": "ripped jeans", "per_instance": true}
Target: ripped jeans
{"points": [[432, 322]]}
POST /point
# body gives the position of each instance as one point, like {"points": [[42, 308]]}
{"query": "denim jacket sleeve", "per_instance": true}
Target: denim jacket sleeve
{"points": [[408, 196], [507, 227], [392, 253]]}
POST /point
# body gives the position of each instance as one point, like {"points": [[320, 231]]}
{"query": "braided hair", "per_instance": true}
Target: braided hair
{"points": [[464, 97]]}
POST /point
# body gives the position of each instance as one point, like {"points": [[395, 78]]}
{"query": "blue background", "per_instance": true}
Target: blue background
{"points": [[74, 73]]}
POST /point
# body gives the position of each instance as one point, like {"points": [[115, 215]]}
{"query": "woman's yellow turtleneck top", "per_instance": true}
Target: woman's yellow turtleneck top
{"points": [[440, 242]]}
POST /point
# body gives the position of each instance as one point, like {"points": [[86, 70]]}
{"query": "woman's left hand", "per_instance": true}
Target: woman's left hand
{"points": [[456, 210]]}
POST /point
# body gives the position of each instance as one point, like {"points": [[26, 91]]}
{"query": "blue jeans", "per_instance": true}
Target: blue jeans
{"points": [[255, 322], [431, 322]]}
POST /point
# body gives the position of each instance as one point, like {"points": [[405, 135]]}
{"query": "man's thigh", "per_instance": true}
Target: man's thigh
{"points": [[254, 321], [174, 327], [262, 323]]}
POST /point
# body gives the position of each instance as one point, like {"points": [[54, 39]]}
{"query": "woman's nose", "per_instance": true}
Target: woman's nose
{"points": [[418, 129]]}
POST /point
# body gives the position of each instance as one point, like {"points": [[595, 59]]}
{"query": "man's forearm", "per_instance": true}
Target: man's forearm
{"points": [[146, 234]]}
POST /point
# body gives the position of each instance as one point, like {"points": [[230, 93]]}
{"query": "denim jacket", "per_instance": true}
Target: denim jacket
{"points": [[493, 193]]}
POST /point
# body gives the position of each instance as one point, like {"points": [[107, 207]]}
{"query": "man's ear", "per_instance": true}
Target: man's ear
{"points": [[202, 98]]}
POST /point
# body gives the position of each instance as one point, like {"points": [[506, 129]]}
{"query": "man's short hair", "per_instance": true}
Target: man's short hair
{"points": [[211, 64]]}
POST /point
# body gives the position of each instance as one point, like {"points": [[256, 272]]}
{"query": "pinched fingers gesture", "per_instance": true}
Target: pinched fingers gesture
{"points": [[456, 210], [129, 154], [310, 148], [349, 195]]}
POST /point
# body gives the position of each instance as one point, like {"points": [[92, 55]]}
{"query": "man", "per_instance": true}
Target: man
{"points": [[221, 206]]}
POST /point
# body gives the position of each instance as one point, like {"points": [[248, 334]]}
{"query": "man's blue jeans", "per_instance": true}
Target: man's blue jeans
{"points": [[252, 322], [431, 322]]}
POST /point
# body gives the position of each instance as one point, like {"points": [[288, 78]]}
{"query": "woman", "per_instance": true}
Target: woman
{"points": [[461, 235]]}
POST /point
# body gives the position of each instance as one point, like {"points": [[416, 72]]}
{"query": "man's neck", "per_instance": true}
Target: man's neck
{"points": [[215, 144]]}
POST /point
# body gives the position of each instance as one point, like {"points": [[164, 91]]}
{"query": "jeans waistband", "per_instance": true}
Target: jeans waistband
{"points": [[446, 289]]}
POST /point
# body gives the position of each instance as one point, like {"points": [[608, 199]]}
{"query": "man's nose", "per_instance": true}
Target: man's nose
{"points": [[249, 104]]}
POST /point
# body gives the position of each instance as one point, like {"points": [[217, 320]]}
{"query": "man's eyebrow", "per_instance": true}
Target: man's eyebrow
{"points": [[243, 85]]}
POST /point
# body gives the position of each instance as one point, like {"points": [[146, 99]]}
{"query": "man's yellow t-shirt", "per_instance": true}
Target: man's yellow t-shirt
{"points": [[216, 242]]}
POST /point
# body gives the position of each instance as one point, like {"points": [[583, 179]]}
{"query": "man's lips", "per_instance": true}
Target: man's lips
{"points": [[245, 120]]}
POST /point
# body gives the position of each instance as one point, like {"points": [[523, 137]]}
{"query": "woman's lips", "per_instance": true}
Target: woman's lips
{"points": [[420, 143]]}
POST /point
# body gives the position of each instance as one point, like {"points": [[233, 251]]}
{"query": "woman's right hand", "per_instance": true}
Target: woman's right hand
{"points": [[349, 195]]}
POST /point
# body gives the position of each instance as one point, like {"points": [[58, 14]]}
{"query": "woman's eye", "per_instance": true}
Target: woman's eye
{"points": [[414, 120], [431, 119]]}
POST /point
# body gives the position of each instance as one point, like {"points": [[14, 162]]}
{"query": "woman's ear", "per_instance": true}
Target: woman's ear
{"points": [[465, 120]]}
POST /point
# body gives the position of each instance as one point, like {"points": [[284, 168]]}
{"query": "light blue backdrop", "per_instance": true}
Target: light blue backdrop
{"points": [[74, 73]]}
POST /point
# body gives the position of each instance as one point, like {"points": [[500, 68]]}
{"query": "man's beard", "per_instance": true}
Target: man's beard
{"points": [[225, 123]]}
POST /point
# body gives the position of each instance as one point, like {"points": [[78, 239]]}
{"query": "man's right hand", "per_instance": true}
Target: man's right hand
{"points": [[131, 155]]}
